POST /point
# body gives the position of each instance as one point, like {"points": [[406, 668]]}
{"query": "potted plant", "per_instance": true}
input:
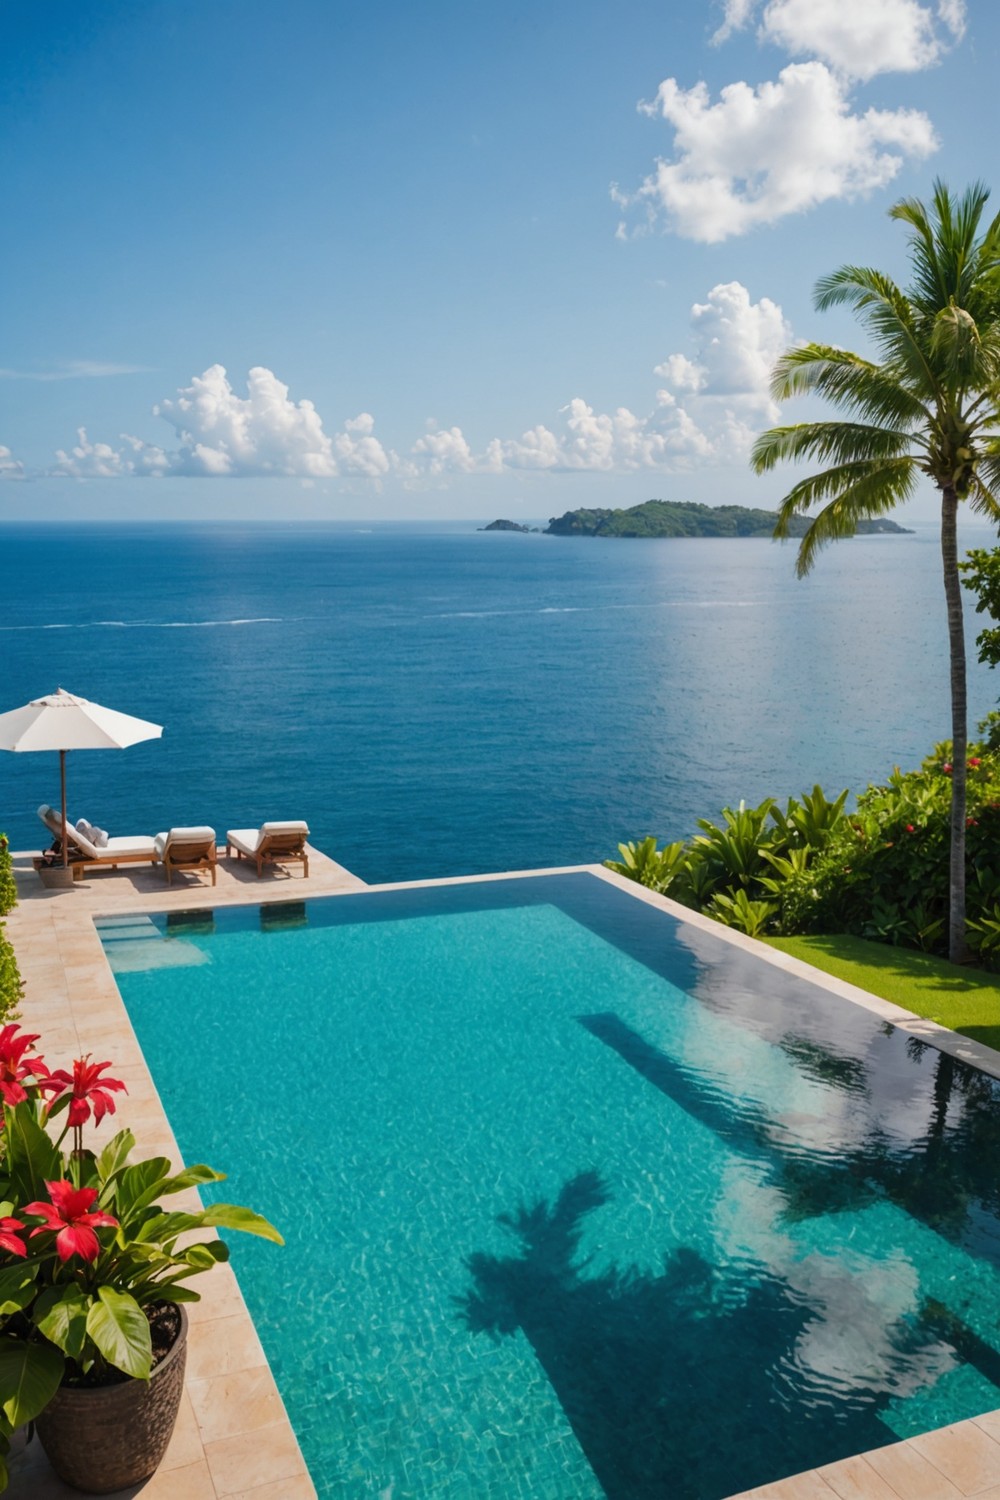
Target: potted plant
{"points": [[93, 1274]]}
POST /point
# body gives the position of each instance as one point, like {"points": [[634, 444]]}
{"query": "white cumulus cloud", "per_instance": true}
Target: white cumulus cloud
{"points": [[10, 467], [222, 434], [712, 402], [758, 154], [859, 38], [263, 433], [89, 460]]}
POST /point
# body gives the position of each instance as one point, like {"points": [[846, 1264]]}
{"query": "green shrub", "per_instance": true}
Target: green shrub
{"points": [[10, 976], [11, 985], [643, 862], [8, 890], [878, 872]]}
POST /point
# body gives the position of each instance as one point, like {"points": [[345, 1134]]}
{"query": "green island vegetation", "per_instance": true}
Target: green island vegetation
{"points": [[666, 518], [879, 872], [10, 977]]}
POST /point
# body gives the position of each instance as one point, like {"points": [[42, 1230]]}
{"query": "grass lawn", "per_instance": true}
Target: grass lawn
{"points": [[966, 1000]]}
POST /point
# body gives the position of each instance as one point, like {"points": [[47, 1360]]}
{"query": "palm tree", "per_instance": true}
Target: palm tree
{"points": [[928, 404]]}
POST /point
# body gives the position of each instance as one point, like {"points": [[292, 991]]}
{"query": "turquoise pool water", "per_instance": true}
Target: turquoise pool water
{"points": [[579, 1200]]}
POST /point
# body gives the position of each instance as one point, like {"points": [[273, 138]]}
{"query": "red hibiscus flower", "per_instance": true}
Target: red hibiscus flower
{"points": [[14, 1065], [974, 763], [88, 1089], [910, 828], [72, 1218], [9, 1240], [946, 767]]}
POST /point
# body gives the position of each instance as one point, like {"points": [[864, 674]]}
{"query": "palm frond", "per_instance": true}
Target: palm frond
{"points": [[988, 473], [844, 442], [943, 248], [855, 285], [888, 314], [984, 500], [957, 347], [860, 492], [848, 381]]}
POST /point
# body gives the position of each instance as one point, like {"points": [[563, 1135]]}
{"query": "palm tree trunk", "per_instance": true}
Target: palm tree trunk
{"points": [[957, 949]]}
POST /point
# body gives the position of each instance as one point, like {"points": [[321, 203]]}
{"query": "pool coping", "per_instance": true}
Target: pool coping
{"points": [[234, 1440]]}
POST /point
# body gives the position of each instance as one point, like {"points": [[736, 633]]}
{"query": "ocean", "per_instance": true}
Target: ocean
{"points": [[438, 701]]}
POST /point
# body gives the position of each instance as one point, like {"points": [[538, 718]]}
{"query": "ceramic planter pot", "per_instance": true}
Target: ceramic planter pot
{"points": [[103, 1438]]}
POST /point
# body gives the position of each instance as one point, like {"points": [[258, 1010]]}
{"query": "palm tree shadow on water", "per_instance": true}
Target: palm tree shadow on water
{"points": [[665, 1380]]}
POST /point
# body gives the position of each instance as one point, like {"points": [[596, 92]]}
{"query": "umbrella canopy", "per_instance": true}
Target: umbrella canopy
{"points": [[64, 722]]}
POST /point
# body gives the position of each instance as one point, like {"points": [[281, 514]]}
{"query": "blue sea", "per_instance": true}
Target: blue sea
{"points": [[439, 701]]}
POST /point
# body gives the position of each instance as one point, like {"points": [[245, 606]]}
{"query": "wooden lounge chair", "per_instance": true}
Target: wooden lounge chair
{"points": [[187, 849], [272, 844], [85, 855]]}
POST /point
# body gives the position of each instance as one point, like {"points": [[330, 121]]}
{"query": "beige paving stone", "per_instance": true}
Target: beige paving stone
{"points": [[964, 1453], [219, 1346], [806, 1486], [292, 1488], [990, 1423], [855, 1479], [237, 1463], [910, 1475], [191, 1483], [231, 1404], [226, 1298], [185, 1446]]}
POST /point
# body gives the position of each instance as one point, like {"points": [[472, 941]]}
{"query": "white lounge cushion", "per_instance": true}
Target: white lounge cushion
{"points": [[53, 822], [201, 834], [137, 844], [247, 840]]}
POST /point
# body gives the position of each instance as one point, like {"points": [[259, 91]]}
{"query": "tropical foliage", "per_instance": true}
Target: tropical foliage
{"points": [[8, 890], [87, 1253], [927, 404], [10, 976], [879, 872], [982, 574]]}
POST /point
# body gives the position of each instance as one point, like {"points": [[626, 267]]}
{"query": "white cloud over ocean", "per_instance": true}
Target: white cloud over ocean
{"points": [[710, 400], [10, 467], [755, 154]]}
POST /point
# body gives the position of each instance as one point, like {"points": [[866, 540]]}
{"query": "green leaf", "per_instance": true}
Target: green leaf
{"points": [[17, 1287], [204, 1257], [32, 1159], [61, 1315], [115, 1154], [119, 1328], [163, 1229], [192, 1177], [29, 1377], [229, 1216], [140, 1185]]}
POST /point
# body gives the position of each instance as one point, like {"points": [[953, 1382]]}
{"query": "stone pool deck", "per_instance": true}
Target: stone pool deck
{"points": [[233, 1439]]}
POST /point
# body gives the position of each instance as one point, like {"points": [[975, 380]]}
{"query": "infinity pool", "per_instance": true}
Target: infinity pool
{"points": [[579, 1200]]}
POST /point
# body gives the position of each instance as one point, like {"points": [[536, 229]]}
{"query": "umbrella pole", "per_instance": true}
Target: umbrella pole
{"points": [[62, 788]]}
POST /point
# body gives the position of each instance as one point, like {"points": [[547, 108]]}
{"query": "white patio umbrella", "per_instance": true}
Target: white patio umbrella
{"points": [[64, 722]]}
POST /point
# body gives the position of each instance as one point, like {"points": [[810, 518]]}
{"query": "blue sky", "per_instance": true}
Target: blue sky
{"points": [[450, 260]]}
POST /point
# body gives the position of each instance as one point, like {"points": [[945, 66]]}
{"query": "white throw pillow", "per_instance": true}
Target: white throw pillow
{"points": [[99, 838]]}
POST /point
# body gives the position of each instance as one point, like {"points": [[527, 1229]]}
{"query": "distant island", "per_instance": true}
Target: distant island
{"points": [[659, 518], [507, 526]]}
